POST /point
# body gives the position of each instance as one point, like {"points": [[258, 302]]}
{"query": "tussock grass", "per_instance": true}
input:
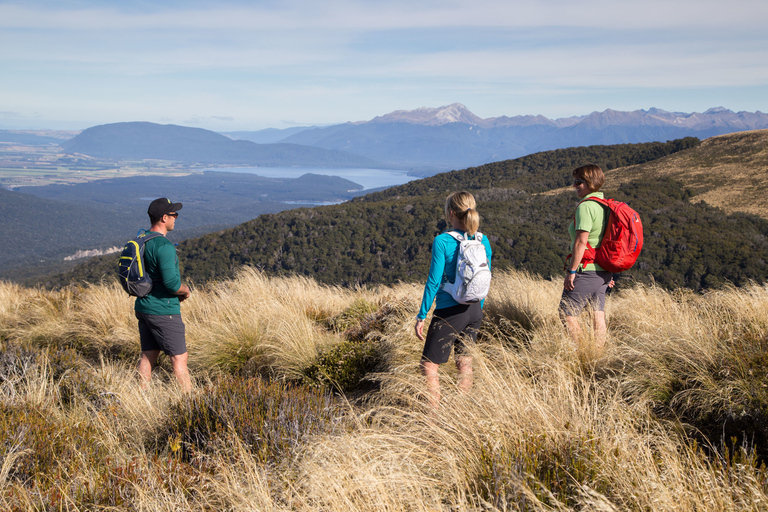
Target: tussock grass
{"points": [[671, 416], [724, 169]]}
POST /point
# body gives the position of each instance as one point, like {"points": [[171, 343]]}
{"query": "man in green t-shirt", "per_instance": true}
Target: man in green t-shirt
{"points": [[159, 312]]}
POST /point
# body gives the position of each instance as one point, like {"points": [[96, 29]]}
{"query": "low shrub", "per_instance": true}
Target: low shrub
{"points": [[351, 316], [725, 421], [16, 360], [42, 447], [272, 418], [345, 366]]}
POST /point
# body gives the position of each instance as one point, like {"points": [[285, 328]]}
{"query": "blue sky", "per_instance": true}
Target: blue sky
{"points": [[258, 64]]}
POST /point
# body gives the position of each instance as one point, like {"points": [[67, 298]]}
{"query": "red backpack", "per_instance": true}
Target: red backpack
{"points": [[622, 241]]}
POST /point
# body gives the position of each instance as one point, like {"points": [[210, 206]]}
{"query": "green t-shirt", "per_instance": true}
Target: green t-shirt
{"points": [[591, 217], [162, 265]]}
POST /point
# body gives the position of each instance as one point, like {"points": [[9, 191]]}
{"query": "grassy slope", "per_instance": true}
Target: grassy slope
{"points": [[542, 429], [728, 171]]}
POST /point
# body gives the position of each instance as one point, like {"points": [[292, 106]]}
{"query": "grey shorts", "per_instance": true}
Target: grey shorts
{"points": [[588, 287], [162, 332]]}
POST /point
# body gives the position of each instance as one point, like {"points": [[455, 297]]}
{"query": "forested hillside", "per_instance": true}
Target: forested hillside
{"points": [[538, 172], [386, 237], [690, 245], [49, 223]]}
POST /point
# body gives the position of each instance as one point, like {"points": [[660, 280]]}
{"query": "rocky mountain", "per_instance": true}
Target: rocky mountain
{"points": [[452, 137], [456, 113], [141, 140]]}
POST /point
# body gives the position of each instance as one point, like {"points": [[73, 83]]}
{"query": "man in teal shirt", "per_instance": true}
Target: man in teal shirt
{"points": [[159, 312]]}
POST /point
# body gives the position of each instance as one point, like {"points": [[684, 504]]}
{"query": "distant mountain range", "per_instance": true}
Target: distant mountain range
{"points": [[452, 137], [424, 141], [141, 140]]}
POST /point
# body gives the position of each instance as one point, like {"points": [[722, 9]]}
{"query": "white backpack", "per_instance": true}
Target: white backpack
{"points": [[473, 272]]}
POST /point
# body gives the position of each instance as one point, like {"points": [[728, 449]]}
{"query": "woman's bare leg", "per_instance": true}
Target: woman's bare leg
{"points": [[464, 365], [429, 369]]}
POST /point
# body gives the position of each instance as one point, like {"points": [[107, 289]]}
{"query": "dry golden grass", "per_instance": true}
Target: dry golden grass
{"points": [[268, 323], [543, 428], [728, 171]]}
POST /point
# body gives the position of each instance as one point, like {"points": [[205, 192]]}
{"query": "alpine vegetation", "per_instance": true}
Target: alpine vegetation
{"points": [[309, 397]]}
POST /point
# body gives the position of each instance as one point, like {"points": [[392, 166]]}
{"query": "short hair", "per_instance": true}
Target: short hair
{"points": [[464, 207], [592, 175]]}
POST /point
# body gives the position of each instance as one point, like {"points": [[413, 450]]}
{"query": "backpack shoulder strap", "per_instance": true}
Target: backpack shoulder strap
{"points": [[600, 200], [607, 203], [456, 235], [146, 236]]}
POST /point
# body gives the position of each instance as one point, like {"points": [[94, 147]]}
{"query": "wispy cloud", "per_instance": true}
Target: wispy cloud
{"points": [[251, 64], [380, 14]]}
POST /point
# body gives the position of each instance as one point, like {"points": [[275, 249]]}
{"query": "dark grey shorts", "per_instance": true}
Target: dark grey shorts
{"points": [[588, 287], [446, 329], [162, 332]]}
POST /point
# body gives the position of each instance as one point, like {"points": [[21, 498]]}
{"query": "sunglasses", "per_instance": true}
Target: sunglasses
{"points": [[578, 182], [172, 214]]}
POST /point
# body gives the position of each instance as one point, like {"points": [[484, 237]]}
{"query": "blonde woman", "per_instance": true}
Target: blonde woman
{"points": [[451, 321]]}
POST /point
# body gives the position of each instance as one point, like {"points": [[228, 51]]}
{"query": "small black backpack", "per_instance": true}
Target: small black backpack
{"points": [[131, 271]]}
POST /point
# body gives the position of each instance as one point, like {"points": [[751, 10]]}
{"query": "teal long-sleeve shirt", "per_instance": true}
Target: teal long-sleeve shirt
{"points": [[162, 265], [443, 268]]}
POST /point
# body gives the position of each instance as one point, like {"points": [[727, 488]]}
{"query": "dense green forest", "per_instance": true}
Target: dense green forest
{"points": [[538, 172], [386, 237], [48, 223]]}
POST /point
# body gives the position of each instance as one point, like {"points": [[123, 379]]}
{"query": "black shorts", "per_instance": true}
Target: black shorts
{"points": [[588, 287], [162, 332], [448, 327]]}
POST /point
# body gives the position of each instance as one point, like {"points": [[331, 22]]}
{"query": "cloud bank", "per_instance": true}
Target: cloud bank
{"points": [[246, 65]]}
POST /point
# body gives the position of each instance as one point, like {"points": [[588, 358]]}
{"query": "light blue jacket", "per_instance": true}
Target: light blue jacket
{"points": [[445, 251]]}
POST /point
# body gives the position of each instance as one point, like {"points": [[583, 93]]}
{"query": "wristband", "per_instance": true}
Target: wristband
{"points": [[573, 271]]}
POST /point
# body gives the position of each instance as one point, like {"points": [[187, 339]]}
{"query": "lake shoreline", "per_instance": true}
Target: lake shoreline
{"points": [[368, 179]]}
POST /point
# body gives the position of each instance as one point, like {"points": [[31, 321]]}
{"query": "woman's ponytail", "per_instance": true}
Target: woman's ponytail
{"points": [[464, 207]]}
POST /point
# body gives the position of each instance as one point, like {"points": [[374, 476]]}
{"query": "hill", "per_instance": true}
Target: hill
{"points": [[452, 137], [266, 136], [36, 228], [49, 223], [386, 237], [140, 140], [727, 171]]}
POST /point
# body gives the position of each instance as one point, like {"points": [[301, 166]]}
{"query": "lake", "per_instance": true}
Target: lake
{"points": [[368, 178]]}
